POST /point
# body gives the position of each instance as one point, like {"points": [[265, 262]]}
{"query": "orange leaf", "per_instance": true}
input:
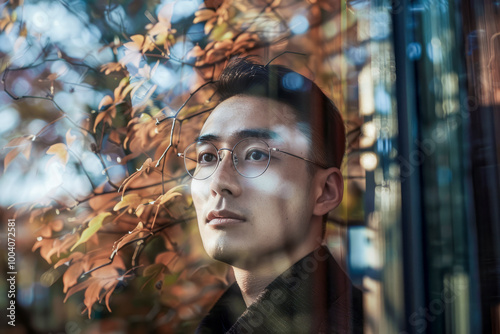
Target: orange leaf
{"points": [[106, 101], [111, 67], [197, 51], [9, 157], [102, 116], [69, 138], [19, 144], [101, 285], [62, 245], [203, 15], [136, 43], [73, 257], [74, 271], [45, 246], [168, 259], [138, 232], [19, 141], [60, 150]]}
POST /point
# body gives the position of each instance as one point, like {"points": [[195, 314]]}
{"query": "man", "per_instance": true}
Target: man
{"points": [[265, 174]]}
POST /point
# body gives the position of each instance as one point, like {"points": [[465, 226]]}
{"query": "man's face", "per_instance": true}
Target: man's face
{"points": [[244, 219]]}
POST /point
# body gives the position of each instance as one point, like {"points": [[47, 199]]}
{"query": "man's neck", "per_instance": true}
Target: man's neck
{"points": [[253, 280]]}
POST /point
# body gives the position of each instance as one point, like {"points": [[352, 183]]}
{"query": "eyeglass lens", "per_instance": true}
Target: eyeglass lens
{"points": [[250, 158]]}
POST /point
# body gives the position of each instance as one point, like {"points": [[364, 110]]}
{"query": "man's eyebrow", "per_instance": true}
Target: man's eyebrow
{"points": [[208, 137], [246, 133]]}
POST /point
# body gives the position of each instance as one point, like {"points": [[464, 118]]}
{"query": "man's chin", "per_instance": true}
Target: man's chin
{"points": [[229, 254]]}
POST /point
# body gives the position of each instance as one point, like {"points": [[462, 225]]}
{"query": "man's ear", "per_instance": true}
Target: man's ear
{"points": [[330, 185]]}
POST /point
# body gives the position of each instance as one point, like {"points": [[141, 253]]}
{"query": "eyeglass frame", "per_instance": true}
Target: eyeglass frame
{"points": [[219, 158]]}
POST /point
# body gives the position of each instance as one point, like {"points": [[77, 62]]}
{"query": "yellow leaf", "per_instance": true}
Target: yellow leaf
{"points": [[140, 209], [167, 197], [94, 225], [219, 32], [69, 138], [61, 151], [172, 193], [132, 200], [138, 39]]}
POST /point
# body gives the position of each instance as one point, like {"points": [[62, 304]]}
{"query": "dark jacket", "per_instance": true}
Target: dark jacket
{"points": [[312, 296]]}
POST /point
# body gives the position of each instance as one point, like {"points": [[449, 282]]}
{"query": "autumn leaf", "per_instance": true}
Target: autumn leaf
{"points": [[163, 26], [203, 15], [7, 21], [138, 232], [69, 138], [9, 157], [94, 225], [147, 167], [101, 285], [130, 200], [135, 49], [18, 145], [54, 225], [172, 193], [106, 101], [104, 201], [196, 52], [50, 247], [166, 258], [154, 272], [45, 246], [111, 67], [108, 104], [74, 271], [60, 152]]}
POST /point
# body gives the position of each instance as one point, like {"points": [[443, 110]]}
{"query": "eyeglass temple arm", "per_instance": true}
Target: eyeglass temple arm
{"points": [[296, 156], [181, 155]]}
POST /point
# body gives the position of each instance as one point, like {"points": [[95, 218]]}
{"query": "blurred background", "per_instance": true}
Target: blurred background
{"points": [[97, 97]]}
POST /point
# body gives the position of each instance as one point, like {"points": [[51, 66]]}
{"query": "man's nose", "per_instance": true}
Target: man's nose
{"points": [[225, 179]]}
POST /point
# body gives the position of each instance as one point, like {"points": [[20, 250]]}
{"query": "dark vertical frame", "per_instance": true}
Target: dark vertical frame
{"points": [[410, 176], [438, 219], [481, 22]]}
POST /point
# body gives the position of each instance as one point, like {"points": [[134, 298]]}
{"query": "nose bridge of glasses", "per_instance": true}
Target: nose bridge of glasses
{"points": [[220, 155]]}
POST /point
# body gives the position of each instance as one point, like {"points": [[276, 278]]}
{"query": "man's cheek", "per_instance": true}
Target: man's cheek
{"points": [[197, 195]]}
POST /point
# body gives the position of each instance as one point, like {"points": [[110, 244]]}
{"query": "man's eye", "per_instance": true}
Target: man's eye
{"points": [[206, 158], [256, 155]]}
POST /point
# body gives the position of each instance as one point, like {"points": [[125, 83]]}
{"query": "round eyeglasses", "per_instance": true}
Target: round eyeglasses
{"points": [[250, 156]]}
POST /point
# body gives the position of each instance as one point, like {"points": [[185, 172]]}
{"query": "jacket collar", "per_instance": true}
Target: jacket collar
{"points": [[300, 298]]}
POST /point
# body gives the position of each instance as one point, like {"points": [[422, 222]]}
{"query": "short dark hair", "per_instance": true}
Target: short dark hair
{"points": [[318, 117]]}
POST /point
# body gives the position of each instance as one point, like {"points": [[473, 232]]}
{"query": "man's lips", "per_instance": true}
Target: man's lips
{"points": [[224, 217]]}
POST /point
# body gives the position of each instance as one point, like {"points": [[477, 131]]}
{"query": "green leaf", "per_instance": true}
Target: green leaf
{"points": [[94, 225], [154, 269], [219, 32], [170, 279]]}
